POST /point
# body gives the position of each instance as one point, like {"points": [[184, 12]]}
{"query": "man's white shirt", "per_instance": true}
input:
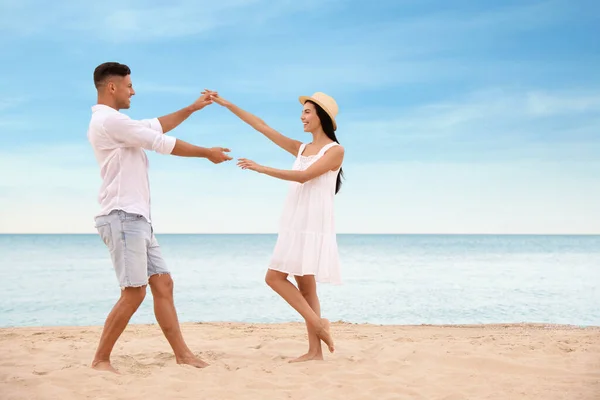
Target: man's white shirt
{"points": [[119, 143]]}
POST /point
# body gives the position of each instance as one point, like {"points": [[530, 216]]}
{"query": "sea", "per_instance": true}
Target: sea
{"points": [[58, 280]]}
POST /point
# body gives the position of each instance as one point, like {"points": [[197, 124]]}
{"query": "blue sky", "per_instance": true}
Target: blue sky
{"points": [[456, 116]]}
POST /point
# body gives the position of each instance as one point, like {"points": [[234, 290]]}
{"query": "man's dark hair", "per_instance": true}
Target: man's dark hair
{"points": [[103, 71]]}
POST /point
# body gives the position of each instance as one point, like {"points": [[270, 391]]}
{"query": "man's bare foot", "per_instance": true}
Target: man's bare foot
{"points": [[308, 357], [193, 361], [104, 366], [324, 335]]}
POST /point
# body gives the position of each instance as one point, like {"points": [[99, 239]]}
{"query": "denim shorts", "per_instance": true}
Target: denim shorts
{"points": [[133, 248]]}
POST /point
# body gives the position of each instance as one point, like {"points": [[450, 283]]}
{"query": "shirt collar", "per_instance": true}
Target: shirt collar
{"points": [[98, 107]]}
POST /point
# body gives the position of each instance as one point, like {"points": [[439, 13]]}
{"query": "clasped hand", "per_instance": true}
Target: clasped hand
{"points": [[218, 153]]}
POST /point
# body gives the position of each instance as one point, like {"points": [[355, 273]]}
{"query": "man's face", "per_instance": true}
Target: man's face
{"points": [[121, 89]]}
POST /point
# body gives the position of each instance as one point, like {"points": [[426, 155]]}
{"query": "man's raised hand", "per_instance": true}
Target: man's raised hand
{"points": [[202, 101]]}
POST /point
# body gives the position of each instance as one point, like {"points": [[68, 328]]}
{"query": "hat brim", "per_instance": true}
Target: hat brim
{"points": [[303, 100]]}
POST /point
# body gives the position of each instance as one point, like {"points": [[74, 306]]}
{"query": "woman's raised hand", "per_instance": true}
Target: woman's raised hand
{"points": [[214, 96]]}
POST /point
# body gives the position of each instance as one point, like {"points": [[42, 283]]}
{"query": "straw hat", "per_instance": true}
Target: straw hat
{"points": [[326, 102]]}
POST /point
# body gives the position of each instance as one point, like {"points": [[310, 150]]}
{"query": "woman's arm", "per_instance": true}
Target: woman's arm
{"points": [[288, 144], [330, 161]]}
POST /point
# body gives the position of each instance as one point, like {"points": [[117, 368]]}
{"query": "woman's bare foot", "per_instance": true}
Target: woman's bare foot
{"points": [[324, 335], [104, 366], [193, 361], [308, 357]]}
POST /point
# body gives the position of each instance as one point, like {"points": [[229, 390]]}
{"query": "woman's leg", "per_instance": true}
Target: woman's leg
{"points": [[308, 287], [279, 283]]}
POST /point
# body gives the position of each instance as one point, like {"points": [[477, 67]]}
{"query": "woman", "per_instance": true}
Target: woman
{"points": [[306, 245]]}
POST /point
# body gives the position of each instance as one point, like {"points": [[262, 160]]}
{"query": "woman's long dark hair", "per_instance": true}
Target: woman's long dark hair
{"points": [[327, 125]]}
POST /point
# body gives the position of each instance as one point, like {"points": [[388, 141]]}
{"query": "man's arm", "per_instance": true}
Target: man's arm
{"points": [[171, 121], [127, 132], [215, 154]]}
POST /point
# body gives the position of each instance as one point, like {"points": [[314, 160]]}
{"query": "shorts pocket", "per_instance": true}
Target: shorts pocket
{"points": [[105, 231]]}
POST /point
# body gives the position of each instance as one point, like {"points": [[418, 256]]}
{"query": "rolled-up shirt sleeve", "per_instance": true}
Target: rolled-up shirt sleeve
{"points": [[147, 134], [153, 123]]}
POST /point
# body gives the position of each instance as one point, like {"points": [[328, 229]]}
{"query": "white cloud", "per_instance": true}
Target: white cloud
{"points": [[509, 18], [434, 197], [279, 63], [407, 50], [412, 197], [549, 104], [12, 118], [53, 189], [132, 20], [11, 102], [504, 160], [150, 87], [508, 120]]}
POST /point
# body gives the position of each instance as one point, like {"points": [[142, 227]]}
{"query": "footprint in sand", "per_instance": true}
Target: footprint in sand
{"points": [[40, 373], [212, 355], [165, 356]]}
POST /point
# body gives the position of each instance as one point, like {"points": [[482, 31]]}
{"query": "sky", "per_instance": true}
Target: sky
{"points": [[456, 116]]}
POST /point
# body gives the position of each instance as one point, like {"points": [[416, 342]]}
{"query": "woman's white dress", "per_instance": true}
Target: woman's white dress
{"points": [[307, 244]]}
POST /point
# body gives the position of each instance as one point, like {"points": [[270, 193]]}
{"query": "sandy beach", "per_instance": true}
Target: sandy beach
{"points": [[250, 361]]}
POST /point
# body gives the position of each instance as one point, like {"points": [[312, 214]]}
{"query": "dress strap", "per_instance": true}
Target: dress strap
{"points": [[301, 150], [327, 147]]}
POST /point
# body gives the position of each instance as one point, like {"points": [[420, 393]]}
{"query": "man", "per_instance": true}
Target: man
{"points": [[124, 222]]}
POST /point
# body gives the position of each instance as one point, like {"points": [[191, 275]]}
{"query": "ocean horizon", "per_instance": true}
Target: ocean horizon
{"points": [[338, 234], [58, 279]]}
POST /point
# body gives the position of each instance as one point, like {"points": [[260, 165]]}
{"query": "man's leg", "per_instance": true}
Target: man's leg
{"points": [[166, 316], [161, 285], [115, 324], [127, 237]]}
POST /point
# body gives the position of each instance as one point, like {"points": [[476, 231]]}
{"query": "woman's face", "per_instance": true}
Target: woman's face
{"points": [[309, 117]]}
